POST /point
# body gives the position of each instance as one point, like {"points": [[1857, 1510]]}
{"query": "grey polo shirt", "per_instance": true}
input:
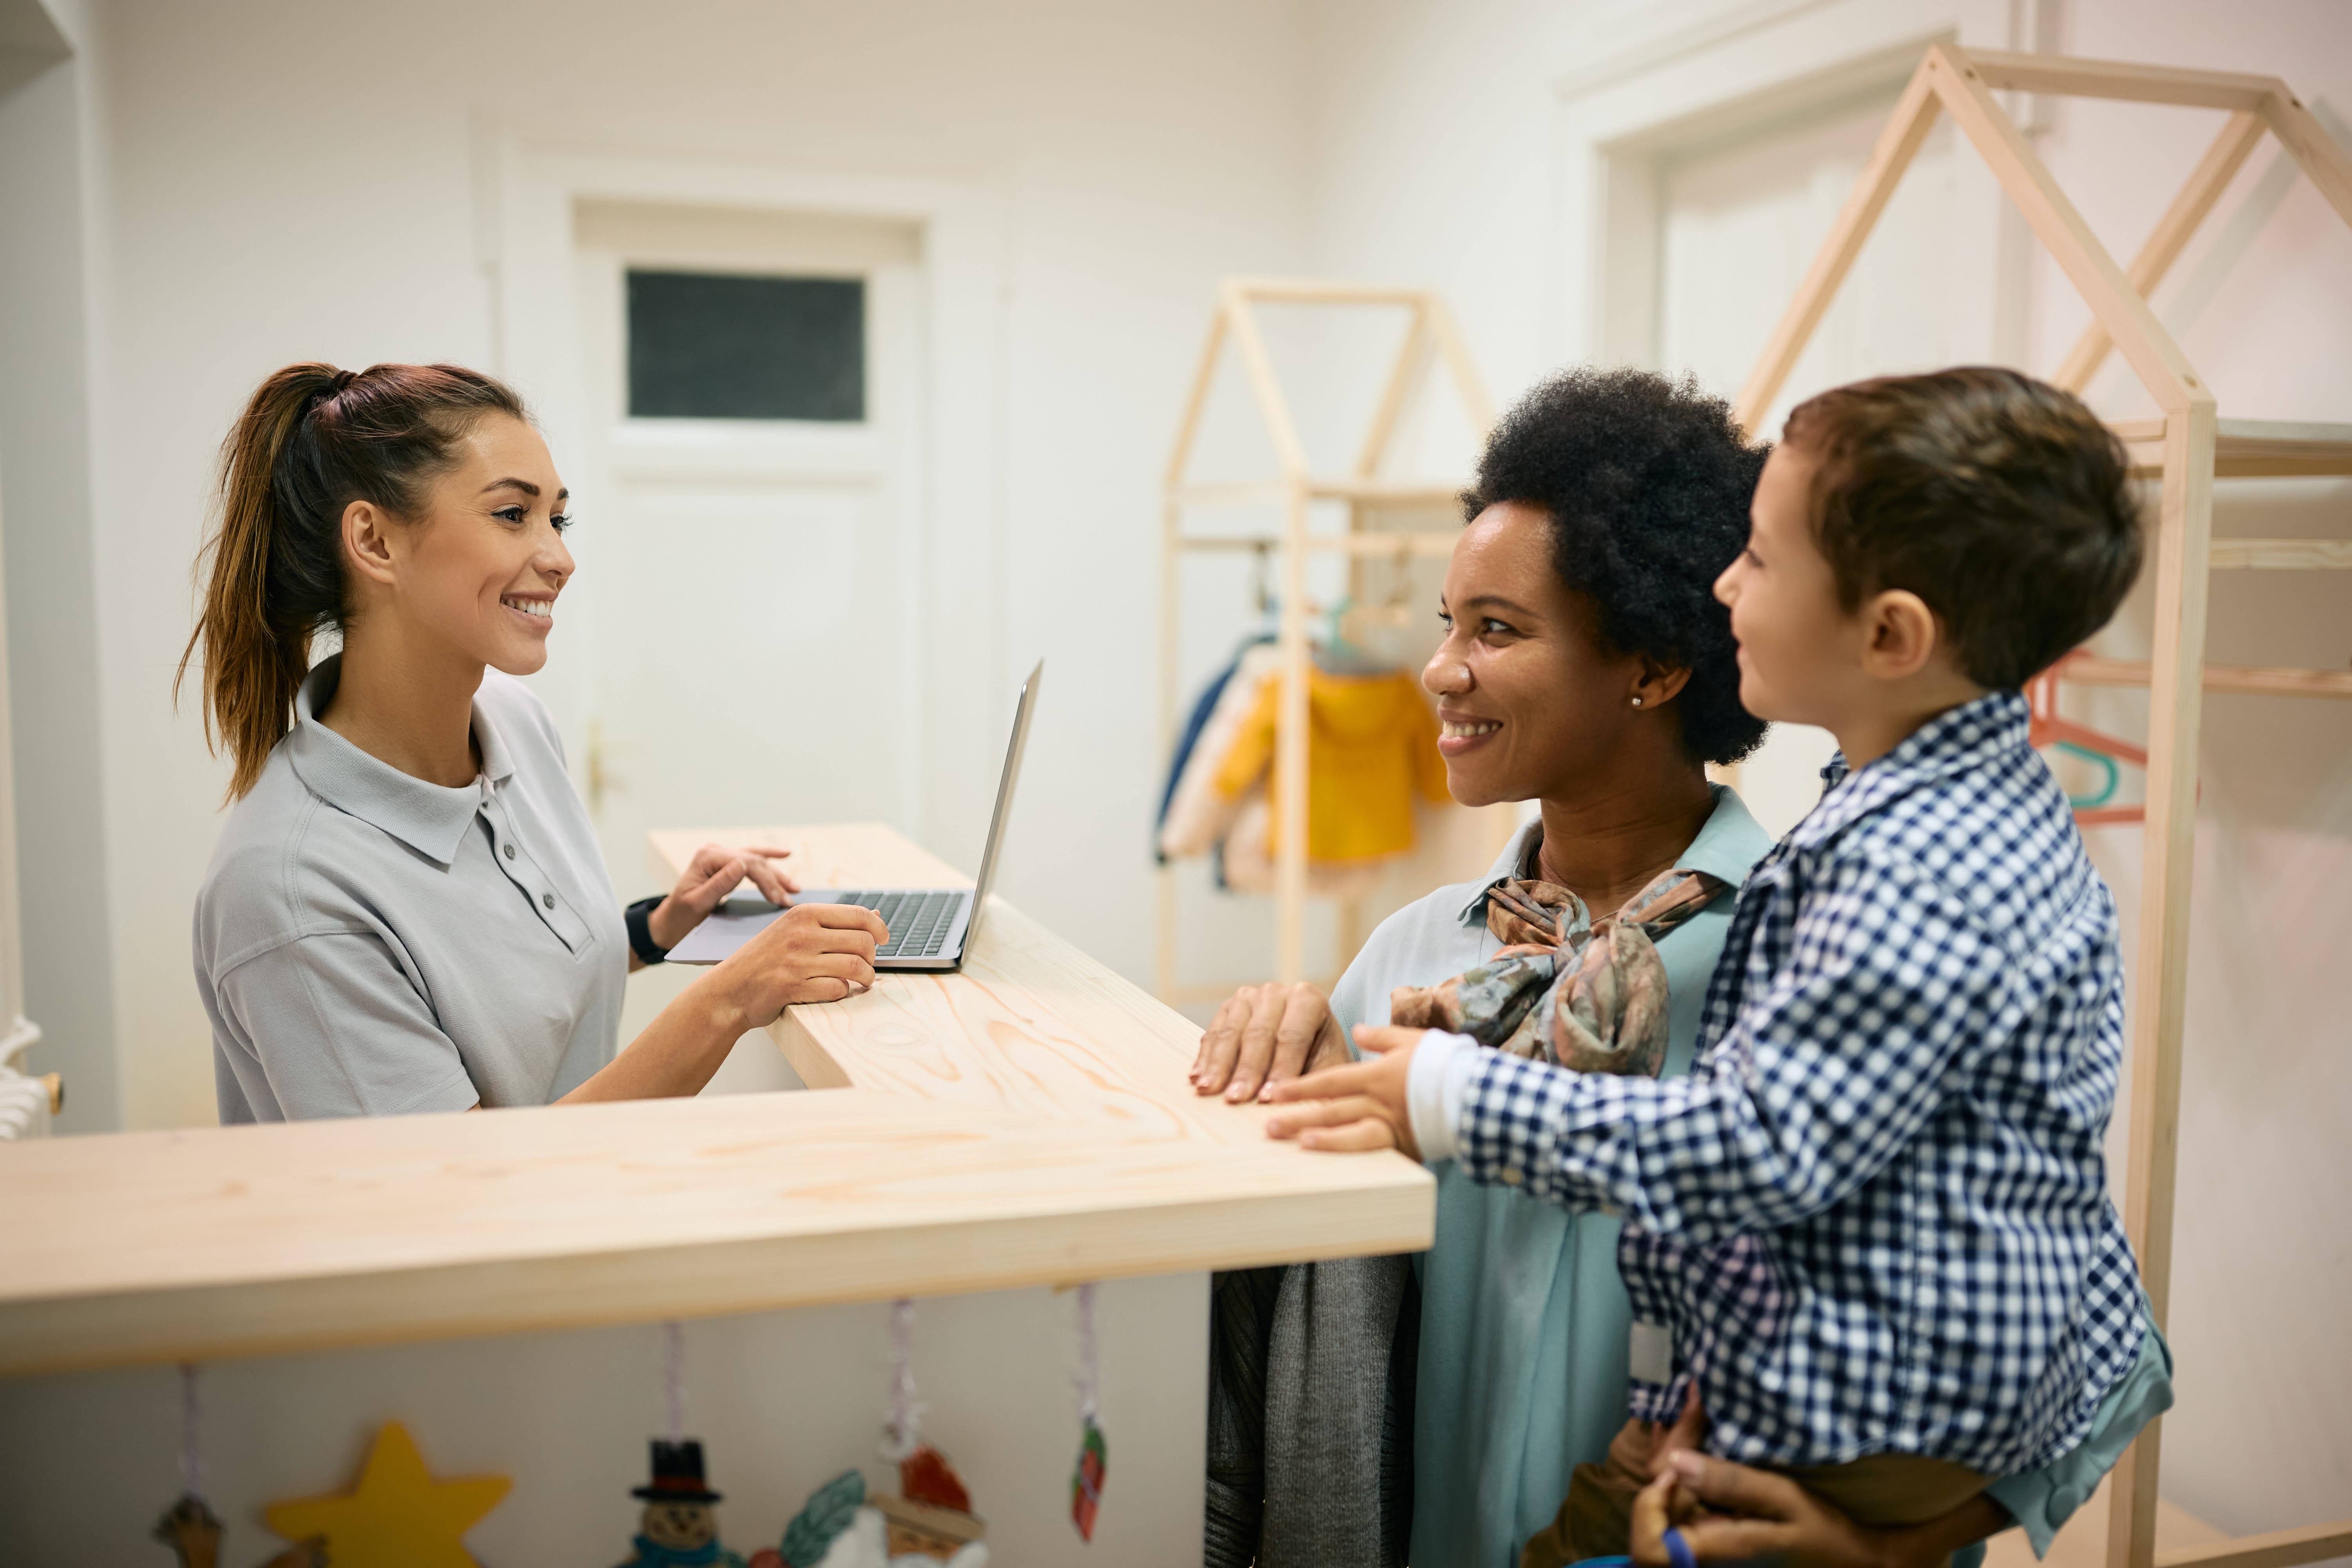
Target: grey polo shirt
{"points": [[368, 943]]}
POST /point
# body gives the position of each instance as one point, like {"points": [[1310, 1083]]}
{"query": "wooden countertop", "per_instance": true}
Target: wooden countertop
{"points": [[1025, 1120]]}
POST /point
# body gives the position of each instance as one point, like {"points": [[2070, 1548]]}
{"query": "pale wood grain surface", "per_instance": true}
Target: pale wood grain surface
{"points": [[1023, 1121]]}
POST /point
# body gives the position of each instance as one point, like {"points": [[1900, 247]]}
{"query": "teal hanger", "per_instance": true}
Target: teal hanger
{"points": [[2107, 789]]}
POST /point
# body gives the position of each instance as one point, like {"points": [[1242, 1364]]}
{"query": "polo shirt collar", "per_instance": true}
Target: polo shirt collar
{"points": [[1968, 736], [427, 817], [1728, 845]]}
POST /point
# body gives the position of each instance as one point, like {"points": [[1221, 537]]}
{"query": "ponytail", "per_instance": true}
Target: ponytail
{"points": [[312, 440]]}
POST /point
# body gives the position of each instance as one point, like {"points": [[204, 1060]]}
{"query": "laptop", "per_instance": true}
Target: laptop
{"points": [[931, 928]]}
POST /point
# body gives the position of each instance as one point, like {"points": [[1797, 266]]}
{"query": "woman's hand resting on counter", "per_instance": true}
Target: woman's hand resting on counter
{"points": [[716, 871], [1265, 1035]]}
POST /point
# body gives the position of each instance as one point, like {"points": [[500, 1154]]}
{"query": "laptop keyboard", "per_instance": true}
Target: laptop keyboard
{"points": [[918, 922]]}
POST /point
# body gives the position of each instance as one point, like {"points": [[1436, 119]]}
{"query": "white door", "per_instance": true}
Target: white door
{"points": [[1740, 219], [745, 534]]}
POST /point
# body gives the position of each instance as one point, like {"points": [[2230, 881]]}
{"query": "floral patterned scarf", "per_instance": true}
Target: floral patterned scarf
{"points": [[1582, 993]]}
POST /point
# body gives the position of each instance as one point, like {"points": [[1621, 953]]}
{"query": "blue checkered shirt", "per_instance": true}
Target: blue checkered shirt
{"points": [[1874, 1215]]}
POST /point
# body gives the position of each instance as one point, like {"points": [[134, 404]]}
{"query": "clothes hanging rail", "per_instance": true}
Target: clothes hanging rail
{"points": [[2187, 449], [1430, 336]]}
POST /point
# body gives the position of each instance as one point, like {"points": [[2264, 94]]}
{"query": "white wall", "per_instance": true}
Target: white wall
{"points": [[1444, 139], [52, 599], [284, 180]]}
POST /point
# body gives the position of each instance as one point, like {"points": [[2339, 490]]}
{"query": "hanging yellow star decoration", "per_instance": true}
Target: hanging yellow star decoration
{"points": [[398, 1515]]}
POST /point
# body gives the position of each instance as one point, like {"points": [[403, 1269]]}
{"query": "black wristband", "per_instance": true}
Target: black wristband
{"points": [[637, 917]]}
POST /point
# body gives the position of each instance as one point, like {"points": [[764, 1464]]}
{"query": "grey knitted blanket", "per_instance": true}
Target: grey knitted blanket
{"points": [[1310, 1415]]}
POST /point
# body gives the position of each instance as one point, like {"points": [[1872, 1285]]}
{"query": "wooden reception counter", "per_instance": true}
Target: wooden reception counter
{"points": [[1025, 1120]]}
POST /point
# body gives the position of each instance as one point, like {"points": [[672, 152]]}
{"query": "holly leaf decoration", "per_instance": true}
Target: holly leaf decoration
{"points": [[827, 1513]]}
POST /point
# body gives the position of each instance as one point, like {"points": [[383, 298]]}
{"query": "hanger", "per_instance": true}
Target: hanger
{"points": [[2047, 727]]}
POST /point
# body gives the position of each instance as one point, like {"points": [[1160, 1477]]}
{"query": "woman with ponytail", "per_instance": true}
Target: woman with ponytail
{"points": [[408, 910]]}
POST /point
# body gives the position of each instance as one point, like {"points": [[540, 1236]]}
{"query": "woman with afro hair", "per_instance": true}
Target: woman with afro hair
{"points": [[1586, 666]]}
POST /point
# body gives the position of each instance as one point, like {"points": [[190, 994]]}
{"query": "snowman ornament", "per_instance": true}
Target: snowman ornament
{"points": [[679, 1528]]}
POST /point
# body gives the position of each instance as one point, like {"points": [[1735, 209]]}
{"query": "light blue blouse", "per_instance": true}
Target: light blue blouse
{"points": [[1524, 1322]]}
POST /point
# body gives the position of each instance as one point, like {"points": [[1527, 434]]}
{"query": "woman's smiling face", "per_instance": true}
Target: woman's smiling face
{"points": [[1528, 700], [480, 570]]}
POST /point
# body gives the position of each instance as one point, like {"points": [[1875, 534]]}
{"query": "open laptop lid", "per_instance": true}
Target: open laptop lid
{"points": [[1021, 713]]}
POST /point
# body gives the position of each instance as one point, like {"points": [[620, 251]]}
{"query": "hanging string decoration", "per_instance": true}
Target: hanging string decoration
{"points": [[1094, 1454], [931, 1515], [189, 1527], [678, 1527]]}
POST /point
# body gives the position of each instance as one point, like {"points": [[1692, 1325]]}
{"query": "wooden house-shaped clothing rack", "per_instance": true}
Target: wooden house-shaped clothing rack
{"points": [[2188, 447], [1430, 333]]}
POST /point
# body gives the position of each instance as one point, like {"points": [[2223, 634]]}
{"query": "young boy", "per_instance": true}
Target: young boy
{"points": [[1872, 1226]]}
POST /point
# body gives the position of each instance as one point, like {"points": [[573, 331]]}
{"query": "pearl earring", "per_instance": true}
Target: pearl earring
{"points": [[1637, 702]]}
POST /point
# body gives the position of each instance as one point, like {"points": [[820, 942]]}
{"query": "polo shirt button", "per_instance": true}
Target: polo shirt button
{"points": [[548, 898], [1511, 1177], [509, 851]]}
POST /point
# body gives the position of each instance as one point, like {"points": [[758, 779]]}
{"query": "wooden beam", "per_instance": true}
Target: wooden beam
{"points": [[2278, 1549], [1365, 541], [1323, 291], [2244, 680], [2283, 555], [1913, 118], [2072, 77], [1467, 385], [1413, 356], [2159, 977], [1188, 425], [2165, 242], [1291, 756], [2322, 158], [1264, 383], [2161, 366], [2251, 448]]}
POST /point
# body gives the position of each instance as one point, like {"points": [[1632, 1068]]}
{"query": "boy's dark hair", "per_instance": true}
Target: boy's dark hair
{"points": [[1647, 483], [2002, 501]]}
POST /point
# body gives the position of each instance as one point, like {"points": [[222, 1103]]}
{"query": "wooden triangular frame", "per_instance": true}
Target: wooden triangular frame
{"points": [[1431, 332], [1431, 329], [2188, 445]]}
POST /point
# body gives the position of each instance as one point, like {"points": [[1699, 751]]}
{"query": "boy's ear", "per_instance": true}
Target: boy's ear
{"points": [[1902, 635]]}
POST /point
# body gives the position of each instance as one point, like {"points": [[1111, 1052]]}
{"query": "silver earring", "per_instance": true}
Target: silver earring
{"points": [[1637, 702]]}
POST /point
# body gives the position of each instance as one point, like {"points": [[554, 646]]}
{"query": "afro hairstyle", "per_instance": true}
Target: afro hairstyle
{"points": [[1646, 482]]}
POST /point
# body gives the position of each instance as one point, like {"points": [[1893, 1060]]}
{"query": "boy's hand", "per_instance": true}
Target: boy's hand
{"points": [[1361, 1106]]}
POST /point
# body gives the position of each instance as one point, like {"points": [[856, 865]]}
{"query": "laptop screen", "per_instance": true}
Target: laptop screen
{"points": [[996, 821]]}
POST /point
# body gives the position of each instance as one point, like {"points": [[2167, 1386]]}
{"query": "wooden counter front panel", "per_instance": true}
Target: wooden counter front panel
{"points": [[1026, 1120]]}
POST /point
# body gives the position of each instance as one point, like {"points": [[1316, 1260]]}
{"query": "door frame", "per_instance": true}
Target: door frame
{"points": [[1617, 120], [949, 513]]}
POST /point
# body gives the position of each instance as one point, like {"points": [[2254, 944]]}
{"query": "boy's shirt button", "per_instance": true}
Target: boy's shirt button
{"points": [[1511, 1177]]}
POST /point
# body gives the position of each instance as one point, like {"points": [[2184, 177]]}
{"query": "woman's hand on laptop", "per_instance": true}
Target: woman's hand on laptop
{"points": [[1265, 1034], [716, 871], [811, 953]]}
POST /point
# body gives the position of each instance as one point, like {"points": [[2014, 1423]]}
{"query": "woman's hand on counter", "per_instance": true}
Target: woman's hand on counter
{"points": [[811, 953], [1265, 1034], [716, 871]]}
